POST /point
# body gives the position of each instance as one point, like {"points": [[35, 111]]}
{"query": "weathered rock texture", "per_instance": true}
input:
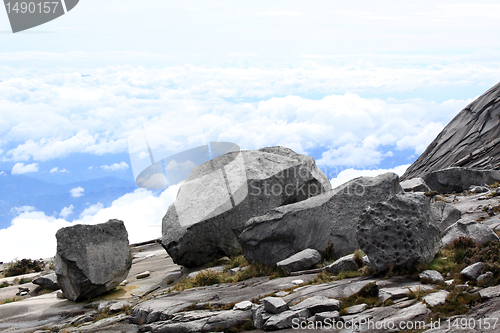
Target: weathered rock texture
{"points": [[477, 231], [415, 185], [399, 231], [92, 259], [219, 197], [300, 261], [471, 139], [459, 179], [316, 222]]}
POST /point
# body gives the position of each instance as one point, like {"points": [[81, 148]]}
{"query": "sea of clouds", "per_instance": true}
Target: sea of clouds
{"points": [[50, 114]]}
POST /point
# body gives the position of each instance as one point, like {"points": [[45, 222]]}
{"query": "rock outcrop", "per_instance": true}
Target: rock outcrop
{"points": [[92, 259], [219, 197], [415, 185], [315, 223], [459, 179], [470, 140], [300, 261], [399, 231], [445, 214], [477, 231]]}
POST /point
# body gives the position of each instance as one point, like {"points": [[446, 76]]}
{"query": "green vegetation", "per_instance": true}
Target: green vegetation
{"points": [[368, 295], [25, 280], [328, 254], [10, 300], [24, 266], [4, 284], [457, 303]]}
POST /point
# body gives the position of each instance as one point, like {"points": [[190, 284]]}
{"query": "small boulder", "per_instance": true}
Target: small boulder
{"points": [[431, 276], [274, 305], [300, 261], [356, 309], [473, 271], [47, 281], [284, 320], [343, 264], [399, 231], [143, 275], [485, 279], [243, 306], [437, 298], [92, 259], [317, 304], [445, 214], [415, 185], [480, 233], [331, 316]]}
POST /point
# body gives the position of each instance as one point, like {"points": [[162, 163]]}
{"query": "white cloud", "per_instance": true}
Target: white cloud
{"points": [[281, 13], [115, 166], [2, 173], [77, 192], [141, 211], [20, 168], [66, 211], [56, 169], [348, 174], [22, 209]]}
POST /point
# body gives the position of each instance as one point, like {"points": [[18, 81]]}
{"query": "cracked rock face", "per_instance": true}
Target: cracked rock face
{"points": [[470, 140], [92, 259], [219, 197], [399, 231]]}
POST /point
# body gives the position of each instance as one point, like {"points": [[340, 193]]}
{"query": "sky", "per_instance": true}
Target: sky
{"points": [[361, 86]]}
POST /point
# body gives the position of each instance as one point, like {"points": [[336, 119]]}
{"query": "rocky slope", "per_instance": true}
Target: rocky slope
{"points": [[470, 140]]}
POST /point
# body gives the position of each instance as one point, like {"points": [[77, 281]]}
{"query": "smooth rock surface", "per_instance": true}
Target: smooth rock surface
{"points": [[92, 259], [219, 197], [469, 140], [480, 233], [317, 304], [414, 185], [399, 231], [274, 305], [300, 261], [315, 223], [356, 309], [284, 319]]}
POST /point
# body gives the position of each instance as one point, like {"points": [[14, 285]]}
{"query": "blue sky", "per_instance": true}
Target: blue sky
{"points": [[360, 86]]}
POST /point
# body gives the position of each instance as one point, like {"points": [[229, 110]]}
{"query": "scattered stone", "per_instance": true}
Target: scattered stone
{"points": [[401, 292], [259, 180], [258, 316], [437, 298], [479, 189], [400, 231], [274, 305], [449, 282], [485, 279], [47, 281], [282, 293], [317, 222], [317, 304], [473, 271], [143, 275], [415, 185], [60, 294], [297, 282], [123, 283], [300, 261], [489, 292], [119, 306], [480, 233], [445, 214], [92, 259], [343, 264], [331, 316], [356, 309], [243, 306], [284, 319], [431, 276]]}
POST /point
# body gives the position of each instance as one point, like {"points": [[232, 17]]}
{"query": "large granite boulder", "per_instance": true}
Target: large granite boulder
{"points": [[459, 179], [91, 259], [400, 231], [219, 197], [470, 140], [415, 185], [315, 223]]}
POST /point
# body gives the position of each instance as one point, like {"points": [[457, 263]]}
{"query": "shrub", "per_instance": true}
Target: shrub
{"points": [[20, 267], [328, 253], [4, 284], [463, 242], [431, 194]]}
